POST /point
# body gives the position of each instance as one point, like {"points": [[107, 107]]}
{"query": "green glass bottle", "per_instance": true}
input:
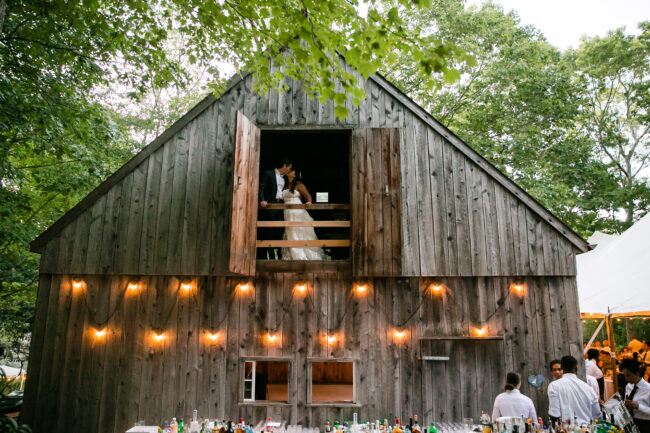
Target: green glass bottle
{"points": [[432, 428]]}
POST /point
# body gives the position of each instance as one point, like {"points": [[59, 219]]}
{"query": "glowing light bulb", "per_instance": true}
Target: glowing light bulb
{"points": [[301, 288], [100, 333], [436, 288], [272, 338], [77, 285], [186, 287], [159, 336], [331, 339], [519, 288], [361, 289], [213, 336], [479, 332], [399, 335], [134, 287], [244, 288]]}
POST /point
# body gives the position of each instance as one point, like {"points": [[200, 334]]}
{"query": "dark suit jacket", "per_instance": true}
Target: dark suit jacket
{"points": [[268, 187]]}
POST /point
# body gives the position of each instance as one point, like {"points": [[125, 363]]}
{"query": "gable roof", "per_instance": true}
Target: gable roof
{"points": [[580, 244]]}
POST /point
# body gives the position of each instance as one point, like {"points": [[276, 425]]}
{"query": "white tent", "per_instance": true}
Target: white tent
{"points": [[10, 372], [614, 278]]}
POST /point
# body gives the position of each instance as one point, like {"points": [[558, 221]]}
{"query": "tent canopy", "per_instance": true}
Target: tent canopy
{"points": [[615, 276]]}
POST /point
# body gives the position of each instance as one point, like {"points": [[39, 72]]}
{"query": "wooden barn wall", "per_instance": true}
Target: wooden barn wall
{"points": [[170, 215], [106, 386]]}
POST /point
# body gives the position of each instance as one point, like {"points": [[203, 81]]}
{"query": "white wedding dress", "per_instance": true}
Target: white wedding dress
{"points": [[299, 233]]}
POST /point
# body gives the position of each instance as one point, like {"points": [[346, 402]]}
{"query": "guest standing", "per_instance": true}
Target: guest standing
{"points": [[512, 402], [637, 394], [556, 369], [592, 369], [570, 396]]}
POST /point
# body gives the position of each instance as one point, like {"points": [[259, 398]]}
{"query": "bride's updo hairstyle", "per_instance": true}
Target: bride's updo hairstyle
{"points": [[296, 180]]}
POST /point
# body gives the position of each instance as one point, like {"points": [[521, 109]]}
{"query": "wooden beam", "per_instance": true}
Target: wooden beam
{"points": [[461, 337], [322, 206], [304, 244], [298, 266], [303, 224]]}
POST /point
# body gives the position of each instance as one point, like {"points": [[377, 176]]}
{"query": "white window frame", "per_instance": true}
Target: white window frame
{"points": [[254, 360], [251, 380]]}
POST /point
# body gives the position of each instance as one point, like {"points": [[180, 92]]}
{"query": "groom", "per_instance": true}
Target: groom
{"points": [[271, 186]]}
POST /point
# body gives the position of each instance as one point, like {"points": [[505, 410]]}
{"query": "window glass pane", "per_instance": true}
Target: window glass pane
{"points": [[332, 382], [271, 381], [248, 369]]}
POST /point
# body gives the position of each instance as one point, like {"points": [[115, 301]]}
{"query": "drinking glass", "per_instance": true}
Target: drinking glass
{"points": [[469, 424]]}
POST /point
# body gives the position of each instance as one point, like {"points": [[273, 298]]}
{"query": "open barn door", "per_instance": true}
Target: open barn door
{"points": [[243, 231], [376, 202]]}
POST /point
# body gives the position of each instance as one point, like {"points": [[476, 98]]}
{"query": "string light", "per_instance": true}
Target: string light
{"points": [[186, 287], [479, 332], [361, 289], [244, 288], [159, 337], [399, 335], [272, 338], [301, 288], [77, 285], [436, 288], [331, 339], [100, 333], [518, 288], [133, 286], [212, 336]]}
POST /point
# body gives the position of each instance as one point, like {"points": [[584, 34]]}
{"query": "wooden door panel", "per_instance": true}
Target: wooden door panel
{"points": [[466, 383], [376, 202], [243, 232]]}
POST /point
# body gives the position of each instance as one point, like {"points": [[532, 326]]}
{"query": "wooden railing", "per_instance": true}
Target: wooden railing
{"points": [[306, 243]]}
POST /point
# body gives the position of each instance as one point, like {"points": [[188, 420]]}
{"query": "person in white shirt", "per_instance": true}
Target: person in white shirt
{"points": [[570, 396], [637, 394], [593, 383], [556, 369], [512, 402], [592, 369]]}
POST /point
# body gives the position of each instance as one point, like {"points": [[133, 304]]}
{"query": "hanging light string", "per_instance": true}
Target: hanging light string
{"points": [[93, 319], [169, 312]]}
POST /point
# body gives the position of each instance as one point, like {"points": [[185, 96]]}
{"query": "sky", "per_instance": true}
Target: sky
{"points": [[563, 22]]}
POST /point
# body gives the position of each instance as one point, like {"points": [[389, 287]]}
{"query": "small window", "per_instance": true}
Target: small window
{"points": [[266, 381], [332, 382]]}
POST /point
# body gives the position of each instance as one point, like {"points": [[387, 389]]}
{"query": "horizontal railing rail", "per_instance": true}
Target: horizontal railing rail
{"points": [[313, 206], [303, 224], [323, 243]]}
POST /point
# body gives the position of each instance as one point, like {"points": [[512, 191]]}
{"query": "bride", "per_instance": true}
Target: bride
{"points": [[293, 193]]}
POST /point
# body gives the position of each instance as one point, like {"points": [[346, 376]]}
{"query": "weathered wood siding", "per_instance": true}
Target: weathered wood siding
{"points": [[107, 386], [171, 214]]}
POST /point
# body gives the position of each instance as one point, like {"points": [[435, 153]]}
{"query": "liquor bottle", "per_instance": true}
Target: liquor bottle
{"points": [[328, 427], [181, 425], [397, 428], [194, 424], [269, 428], [416, 427], [174, 425], [432, 428]]}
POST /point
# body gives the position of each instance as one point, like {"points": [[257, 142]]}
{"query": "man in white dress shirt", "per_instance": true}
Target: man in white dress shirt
{"points": [[637, 394], [592, 369], [570, 396], [512, 402]]}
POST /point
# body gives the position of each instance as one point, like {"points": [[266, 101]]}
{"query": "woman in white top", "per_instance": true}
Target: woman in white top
{"points": [[512, 402]]}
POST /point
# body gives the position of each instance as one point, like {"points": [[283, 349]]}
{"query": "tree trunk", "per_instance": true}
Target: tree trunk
{"points": [[628, 330], [3, 10]]}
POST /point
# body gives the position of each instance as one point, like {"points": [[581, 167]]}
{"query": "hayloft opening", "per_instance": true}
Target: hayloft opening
{"points": [[321, 160], [332, 382]]}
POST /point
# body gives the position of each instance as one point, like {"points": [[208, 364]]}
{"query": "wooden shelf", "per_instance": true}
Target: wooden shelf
{"points": [[314, 206], [303, 244], [303, 224]]}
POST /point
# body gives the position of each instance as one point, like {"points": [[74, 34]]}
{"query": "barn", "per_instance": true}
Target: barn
{"points": [[441, 275]]}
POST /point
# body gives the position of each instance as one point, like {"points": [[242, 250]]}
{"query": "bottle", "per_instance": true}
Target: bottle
{"points": [[397, 428], [268, 428], [416, 427], [432, 428], [328, 427], [194, 424]]}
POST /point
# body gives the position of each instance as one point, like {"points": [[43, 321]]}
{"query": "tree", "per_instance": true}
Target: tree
{"points": [[615, 74], [518, 107]]}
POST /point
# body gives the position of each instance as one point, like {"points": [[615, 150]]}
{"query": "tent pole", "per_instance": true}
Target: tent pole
{"points": [[610, 337]]}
